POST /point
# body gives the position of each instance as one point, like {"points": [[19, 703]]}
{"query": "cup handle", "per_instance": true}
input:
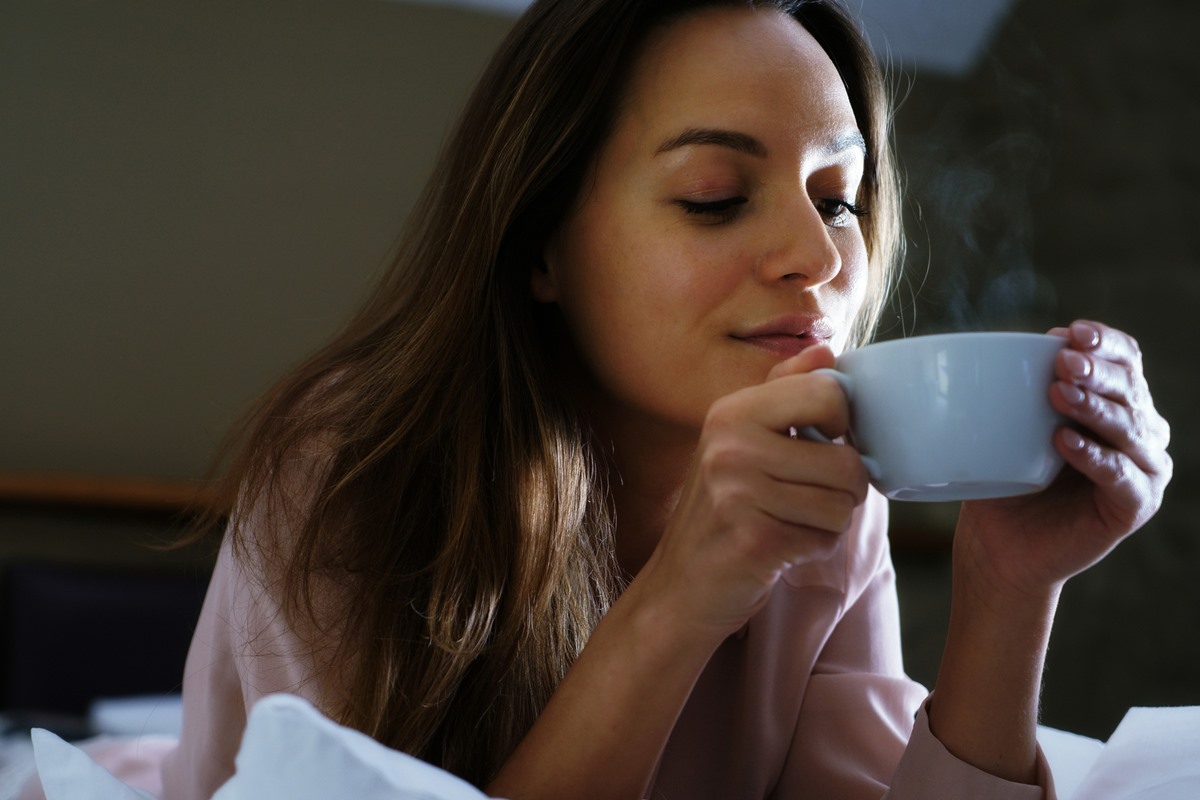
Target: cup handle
{"points": [[812, 434]]}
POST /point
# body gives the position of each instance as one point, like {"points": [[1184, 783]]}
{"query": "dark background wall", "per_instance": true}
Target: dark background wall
{"points": [[192, 196]]}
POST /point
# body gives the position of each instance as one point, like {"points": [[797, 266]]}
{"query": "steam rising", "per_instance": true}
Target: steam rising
{"points": [[972, 178]]}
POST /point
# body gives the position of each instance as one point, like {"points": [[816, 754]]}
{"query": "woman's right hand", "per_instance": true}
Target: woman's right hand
{"points": [[756, 500]]}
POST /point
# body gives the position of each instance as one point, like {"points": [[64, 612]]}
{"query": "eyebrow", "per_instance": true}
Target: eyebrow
{"points": [[740, 142], [849, 141], [745, 143]]}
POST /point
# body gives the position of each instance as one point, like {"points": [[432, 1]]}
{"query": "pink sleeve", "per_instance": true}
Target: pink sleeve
{"points": [[856, 736], [929, 770]]}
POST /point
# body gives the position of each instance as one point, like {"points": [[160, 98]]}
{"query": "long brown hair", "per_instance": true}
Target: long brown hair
{"points": [[426, 467]]}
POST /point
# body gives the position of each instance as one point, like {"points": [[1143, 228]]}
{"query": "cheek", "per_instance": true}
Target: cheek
{"points": [[635, 272], [706, 273], [600, 287], [858, 279], [635, 300]]}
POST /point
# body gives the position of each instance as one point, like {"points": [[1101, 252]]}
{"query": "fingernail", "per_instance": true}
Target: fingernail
{"points": [[1086, 334], [1079, 365], [1073, 440], [1072, 394]]}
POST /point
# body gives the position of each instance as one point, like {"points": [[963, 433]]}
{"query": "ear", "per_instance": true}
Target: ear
{"points": [[543, 278]]}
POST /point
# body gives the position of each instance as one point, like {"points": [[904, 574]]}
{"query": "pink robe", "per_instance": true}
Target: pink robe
{"points": [[809, 700]]}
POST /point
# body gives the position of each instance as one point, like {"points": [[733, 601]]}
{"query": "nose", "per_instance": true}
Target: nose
{"points": [[800, 248]]}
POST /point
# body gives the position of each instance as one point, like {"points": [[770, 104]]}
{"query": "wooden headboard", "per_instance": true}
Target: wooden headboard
{"points": [[103, 492]]}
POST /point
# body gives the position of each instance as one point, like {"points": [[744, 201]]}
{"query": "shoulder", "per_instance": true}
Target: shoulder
{"points": [[286, 461], [287, 605]]}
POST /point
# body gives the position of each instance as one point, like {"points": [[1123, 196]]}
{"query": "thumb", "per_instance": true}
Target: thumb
{"points": [[807, 360]]}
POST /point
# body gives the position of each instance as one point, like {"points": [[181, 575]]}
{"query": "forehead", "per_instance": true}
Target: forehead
{"points": [[735, 67]]}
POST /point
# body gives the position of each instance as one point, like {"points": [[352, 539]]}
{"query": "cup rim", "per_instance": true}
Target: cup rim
{"points": [[958, 336]]}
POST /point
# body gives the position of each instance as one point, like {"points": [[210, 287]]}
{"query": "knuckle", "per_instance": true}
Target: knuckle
{"points": [[825, 398], [832, 396], [1168, 467], [860, 478], [729, 500], [827, 385], [1140, 429], [851, 475], [1119, 470], [1139, 390], [721, 455], [723, 413], [842, 508], [830, 510], [1135, 349], [1090, 407]]}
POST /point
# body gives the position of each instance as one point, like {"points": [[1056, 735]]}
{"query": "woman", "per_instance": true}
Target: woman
{"points": [[535, 516]]}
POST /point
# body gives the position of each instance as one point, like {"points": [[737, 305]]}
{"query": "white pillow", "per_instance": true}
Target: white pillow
{"points": [[68, 773], [291, 752]]}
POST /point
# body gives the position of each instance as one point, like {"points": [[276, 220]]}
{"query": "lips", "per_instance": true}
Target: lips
{"points": [[789, 335]]}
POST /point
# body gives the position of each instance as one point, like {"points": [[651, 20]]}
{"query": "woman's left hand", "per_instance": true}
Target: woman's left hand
{"points": [[1117, 470]]}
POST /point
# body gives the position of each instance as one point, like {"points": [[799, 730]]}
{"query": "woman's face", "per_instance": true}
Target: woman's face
{"points": [[716, 234]]}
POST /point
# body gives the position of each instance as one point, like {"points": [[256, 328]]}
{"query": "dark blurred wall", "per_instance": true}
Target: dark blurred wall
{"points": [[194, 195], [1057, 181]]}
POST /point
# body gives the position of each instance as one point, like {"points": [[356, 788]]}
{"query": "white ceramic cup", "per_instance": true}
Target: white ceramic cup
{"points": [[956, 416]]}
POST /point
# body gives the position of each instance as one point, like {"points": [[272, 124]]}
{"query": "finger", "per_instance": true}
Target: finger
{"points": [[1126, 488], [768, 540], [806, 360], [1105, 342], [753, 450], [791, 401], [1115, 374], [800, 461], [1106, 361], [775, 522], [1109, 378], [1119, 383], [808, 506], [1141, 435]]}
